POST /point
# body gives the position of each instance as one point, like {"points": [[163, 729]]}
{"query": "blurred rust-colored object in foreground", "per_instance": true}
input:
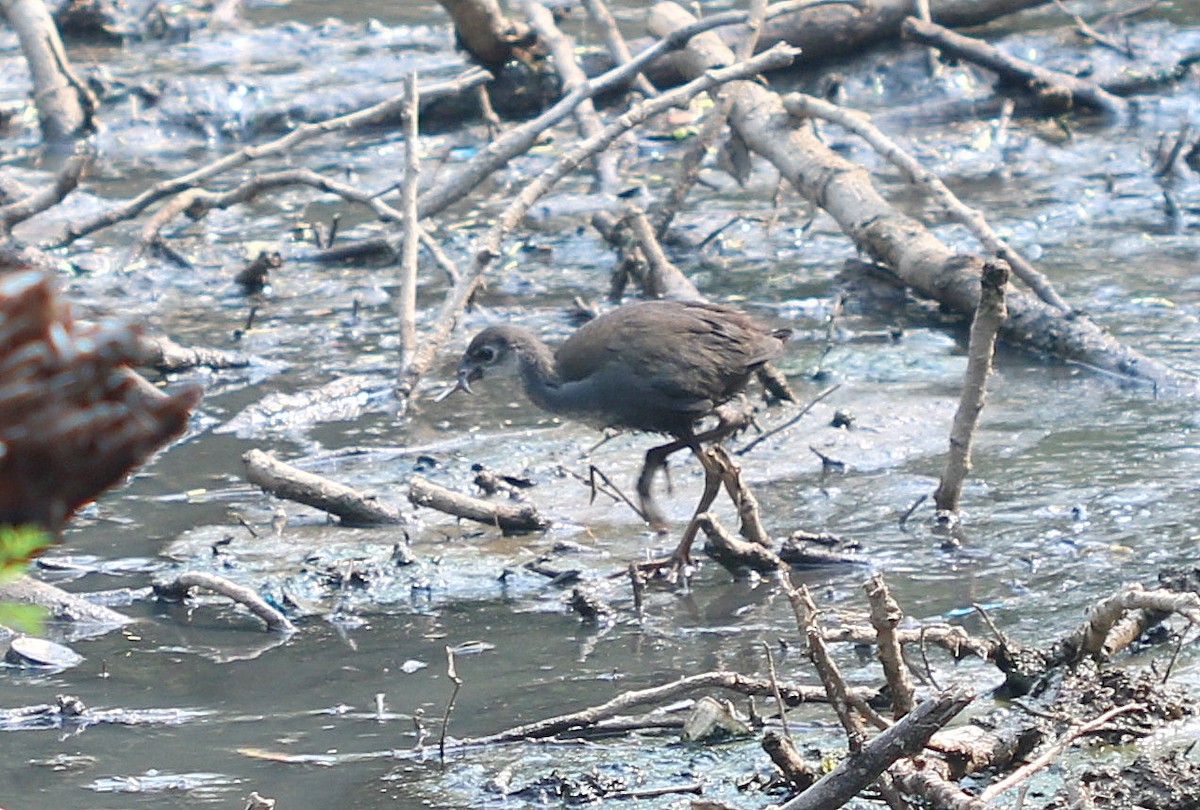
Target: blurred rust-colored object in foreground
{"points": [[74, 418]]}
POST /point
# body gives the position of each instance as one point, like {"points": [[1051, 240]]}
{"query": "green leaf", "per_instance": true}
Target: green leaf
{"points": [[19, 544], [24, 618]]}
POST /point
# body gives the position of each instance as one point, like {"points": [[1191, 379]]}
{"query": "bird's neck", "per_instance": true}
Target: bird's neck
{"points": [[539, 376]]}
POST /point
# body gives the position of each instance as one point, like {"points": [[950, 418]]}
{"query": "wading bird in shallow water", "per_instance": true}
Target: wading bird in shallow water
{"points": [[654, 366]]}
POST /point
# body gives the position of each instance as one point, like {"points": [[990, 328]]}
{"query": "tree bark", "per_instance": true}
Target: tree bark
{"points": [[60, 98]]}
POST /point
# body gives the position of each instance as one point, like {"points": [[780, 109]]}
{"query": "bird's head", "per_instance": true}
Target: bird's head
{"points": [[495, 352]]}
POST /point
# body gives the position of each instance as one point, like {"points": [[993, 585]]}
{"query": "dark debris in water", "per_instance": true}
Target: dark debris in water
{"points": [[1170, 782]]}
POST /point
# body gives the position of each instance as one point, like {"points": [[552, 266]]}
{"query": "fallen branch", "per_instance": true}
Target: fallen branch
{"points": [[64, 182], [180, 587], [1092, 637], [886, 616], [905, 738], [351, 506], [304, 132], [1056, 91], [732, 552], [507, 517]]}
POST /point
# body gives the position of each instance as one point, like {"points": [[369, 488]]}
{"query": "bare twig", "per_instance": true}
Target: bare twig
{"points": [[407, 302], [783, 723], [452, 674], [603, 19], [1088, 32], [780, 428], [989, 316]]}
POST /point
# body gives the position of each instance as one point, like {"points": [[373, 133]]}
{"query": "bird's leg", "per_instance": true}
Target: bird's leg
{"points": [[656, 459], [730, 419], [713, 477]]}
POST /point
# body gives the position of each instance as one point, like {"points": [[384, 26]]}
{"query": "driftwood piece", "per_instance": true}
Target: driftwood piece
{"points": [[353, 507], [896, 240], [166, 356], [508, 517], [34, 202], [800, 774], [1055, 90], [61, 605], [179, 588], [733, 552], [989, 316], [1092, 638], [793, 694]]}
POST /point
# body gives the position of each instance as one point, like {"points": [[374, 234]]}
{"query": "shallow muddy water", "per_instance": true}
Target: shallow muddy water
{"points": [[1081, 483]]}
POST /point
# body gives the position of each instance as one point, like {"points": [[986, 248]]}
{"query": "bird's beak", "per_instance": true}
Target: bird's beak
{"points": [[466, 374]]}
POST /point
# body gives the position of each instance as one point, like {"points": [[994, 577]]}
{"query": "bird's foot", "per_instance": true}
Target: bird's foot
{"points": [[673, 569]]}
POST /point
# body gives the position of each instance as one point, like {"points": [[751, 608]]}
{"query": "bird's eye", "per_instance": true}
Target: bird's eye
{"points": [[486, 353]]}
